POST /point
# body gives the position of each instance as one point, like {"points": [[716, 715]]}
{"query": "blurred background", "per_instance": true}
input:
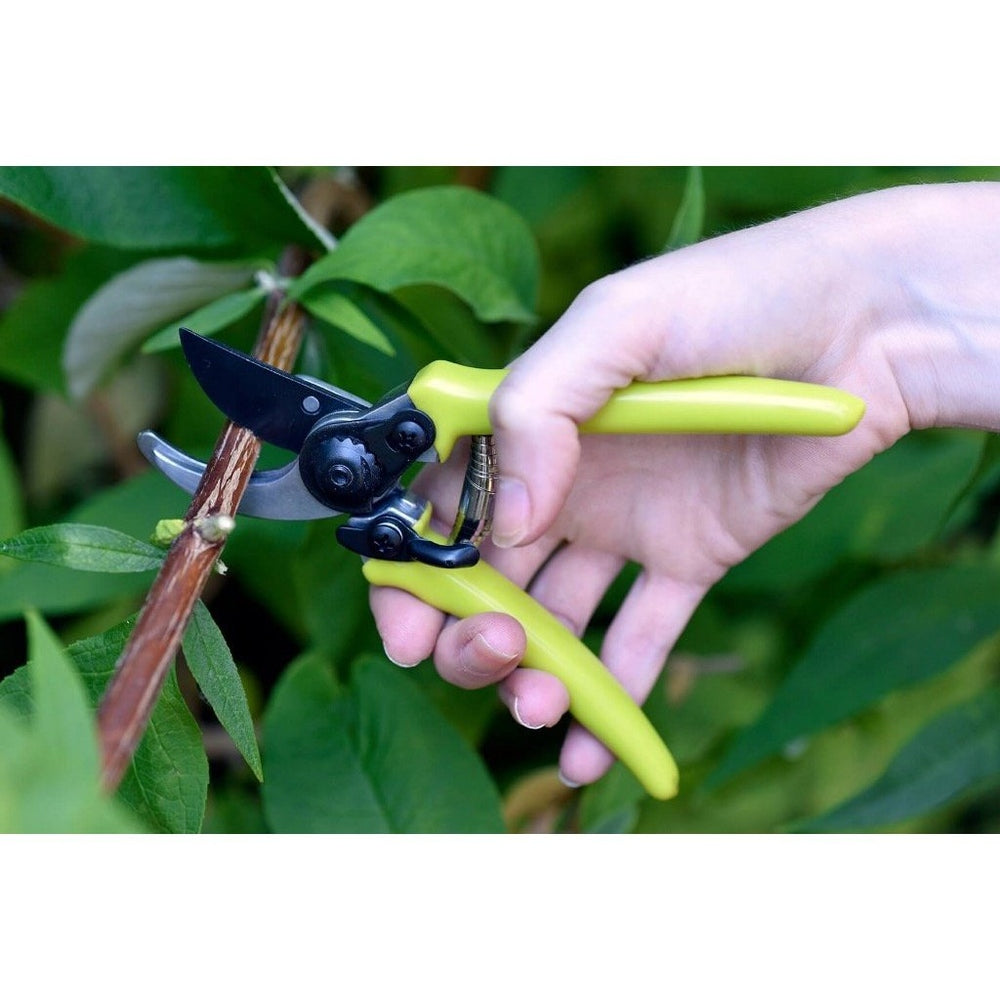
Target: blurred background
{"points": [[838, 588]]}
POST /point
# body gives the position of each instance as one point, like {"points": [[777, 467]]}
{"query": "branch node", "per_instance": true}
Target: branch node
{"points": [[215, 528]]}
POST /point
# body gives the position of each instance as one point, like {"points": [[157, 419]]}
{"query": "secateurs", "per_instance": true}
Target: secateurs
{"points": [[350, 455]]}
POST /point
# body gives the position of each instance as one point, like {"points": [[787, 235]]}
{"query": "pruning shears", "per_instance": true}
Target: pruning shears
{"points": [[351, 454]]}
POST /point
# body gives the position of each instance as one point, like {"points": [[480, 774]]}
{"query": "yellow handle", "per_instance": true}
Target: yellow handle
{"points": [[597, 700], [457, 400]]}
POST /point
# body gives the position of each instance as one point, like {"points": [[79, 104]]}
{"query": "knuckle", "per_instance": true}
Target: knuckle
{"points": [[513, 405]]}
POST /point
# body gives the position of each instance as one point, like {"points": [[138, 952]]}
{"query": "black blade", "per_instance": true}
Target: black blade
{"points": [[277, 407]]}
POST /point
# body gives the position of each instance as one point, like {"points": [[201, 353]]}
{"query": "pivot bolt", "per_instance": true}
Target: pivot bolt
{"points": [[386, 540], [408, 438]]}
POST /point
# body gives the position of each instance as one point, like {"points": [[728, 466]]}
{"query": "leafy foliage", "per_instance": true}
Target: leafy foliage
{"points": [[137, 302], [167, 781], [459, 239], [948, 758], [843, 678], [369, 759], [49, 765], [213, 667], [153, 208], [899, 631], [83, 546]]}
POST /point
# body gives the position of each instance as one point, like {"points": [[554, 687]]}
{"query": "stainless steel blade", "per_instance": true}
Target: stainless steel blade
{"points": [[275, 494]]}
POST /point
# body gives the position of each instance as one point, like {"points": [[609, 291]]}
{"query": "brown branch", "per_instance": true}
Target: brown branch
{"points": [[142, 668]]}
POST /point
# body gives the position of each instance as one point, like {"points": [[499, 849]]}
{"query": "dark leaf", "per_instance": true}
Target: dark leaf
{"points": [[887, 510], [152, 208], [374, 758], [11, 500], [333, 307], [130, 507], [953, 755], [461, 239], [167, 781], [210, 662], [33, 330], [208, 320], [899, 631], [88, 547], [138, 302], [49, 764]]}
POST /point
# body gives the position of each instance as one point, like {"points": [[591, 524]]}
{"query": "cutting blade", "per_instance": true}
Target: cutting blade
{"points": [[275, 406], [275, 494]]}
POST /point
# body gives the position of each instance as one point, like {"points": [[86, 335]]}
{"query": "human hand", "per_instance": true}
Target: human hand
{"points": [[836, 296]]}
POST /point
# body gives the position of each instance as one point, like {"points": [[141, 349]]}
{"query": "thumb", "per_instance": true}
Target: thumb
{"points": [[561, 381]]}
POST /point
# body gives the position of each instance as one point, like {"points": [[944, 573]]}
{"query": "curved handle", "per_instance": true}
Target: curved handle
{"points": [[457, 400], [597, 700]]}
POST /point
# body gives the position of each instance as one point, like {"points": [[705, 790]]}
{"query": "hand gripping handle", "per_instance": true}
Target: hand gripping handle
{"points": [[597, 700], [457, 400]]}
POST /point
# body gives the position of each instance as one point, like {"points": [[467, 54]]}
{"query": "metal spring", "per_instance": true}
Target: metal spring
{"points": [[474, 519]]}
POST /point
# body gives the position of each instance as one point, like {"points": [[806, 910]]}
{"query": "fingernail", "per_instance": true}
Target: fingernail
{"points": [[514, 706], [482, 659], [504, 656], [567, 782], [398, 663], [513, 511]]}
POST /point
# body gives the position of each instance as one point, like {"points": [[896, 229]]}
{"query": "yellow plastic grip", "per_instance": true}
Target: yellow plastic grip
{"points": [[457, 400], [597, 700]]}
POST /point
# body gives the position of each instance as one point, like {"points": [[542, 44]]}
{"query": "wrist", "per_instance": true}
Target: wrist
{"points": [[939, 245]]}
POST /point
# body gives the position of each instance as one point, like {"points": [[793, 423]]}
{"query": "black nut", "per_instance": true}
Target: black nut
{"points": [[340, 472]]}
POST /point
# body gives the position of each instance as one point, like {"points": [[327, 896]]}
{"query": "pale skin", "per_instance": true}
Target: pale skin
{"points": [[893, 296]]}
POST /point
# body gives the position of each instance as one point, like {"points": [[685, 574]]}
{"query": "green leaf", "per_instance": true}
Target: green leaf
{"points": [[89, 547], [445, 327], [62, 717], [49, 764], [208, 320], [334, 307], [952, 756], [901, 630], [891, 508], [611, 805], [37, 796], [138, 302], [460, 239], [689, 222], [369, 759], [469, 713], [330, 591], [360, 368], [982, 479], [212, 665], [533, 192], [33, 329], [153, 208], [131, 507], [166, 783], [11, 501]]}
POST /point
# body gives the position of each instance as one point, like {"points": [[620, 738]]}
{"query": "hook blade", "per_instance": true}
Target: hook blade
{"points": [[275, 494]]}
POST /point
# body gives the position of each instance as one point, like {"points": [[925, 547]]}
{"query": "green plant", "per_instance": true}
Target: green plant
{"points": [[844, 677]]}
